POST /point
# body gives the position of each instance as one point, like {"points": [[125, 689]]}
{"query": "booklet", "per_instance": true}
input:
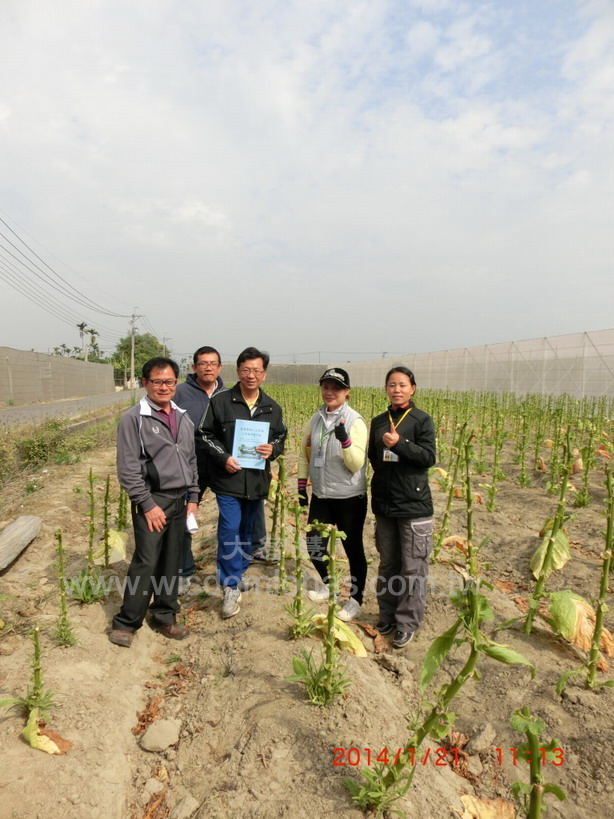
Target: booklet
{"points": [[249, 435]]}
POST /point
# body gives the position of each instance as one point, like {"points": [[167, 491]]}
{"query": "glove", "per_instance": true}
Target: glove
{"points": [[341, 433], [303, 500]]}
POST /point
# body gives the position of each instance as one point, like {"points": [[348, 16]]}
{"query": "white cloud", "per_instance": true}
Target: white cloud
{"points": [[274, 148]]}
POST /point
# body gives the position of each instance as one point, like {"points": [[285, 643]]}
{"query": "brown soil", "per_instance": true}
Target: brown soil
{"points": [[250, 743]]}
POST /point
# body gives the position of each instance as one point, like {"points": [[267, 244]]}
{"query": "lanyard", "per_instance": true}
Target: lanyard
{"points": [[324, 434], [400, 419]]}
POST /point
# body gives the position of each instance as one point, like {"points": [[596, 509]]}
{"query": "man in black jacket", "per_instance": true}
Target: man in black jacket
{"points": [[194, 396], [239, 490]]}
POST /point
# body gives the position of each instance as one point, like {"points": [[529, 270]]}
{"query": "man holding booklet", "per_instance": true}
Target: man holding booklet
{"points": [[242, 431]]}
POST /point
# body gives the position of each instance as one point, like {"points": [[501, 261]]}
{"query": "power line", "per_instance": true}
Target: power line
{"points": [[79, 298]]}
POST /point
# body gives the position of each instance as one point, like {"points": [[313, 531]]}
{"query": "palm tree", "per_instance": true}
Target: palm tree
{"points": [[82, 330]]}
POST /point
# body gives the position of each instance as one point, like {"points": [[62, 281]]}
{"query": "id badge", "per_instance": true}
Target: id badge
{"points": [[318, 460], [391, 456]]}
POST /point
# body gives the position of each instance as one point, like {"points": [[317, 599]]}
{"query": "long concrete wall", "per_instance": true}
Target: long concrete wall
{"points": [[27, 377]]}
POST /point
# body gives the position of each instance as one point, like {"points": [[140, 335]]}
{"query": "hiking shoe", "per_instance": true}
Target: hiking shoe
{"points": [[385, 628], [231, 606], [350, 610], [319, 595], [121, 637], [401, 638], [262, 556], [247, 584], [173, 631]]}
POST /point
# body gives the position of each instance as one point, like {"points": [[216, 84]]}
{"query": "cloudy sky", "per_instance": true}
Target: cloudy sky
{"points": [[351, 176]]}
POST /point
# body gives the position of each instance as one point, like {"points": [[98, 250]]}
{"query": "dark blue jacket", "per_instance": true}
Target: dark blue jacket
{"points": [[195, 401]]}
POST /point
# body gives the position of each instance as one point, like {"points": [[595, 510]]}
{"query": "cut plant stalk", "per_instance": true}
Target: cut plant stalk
{"points": [[602, 606], [121, 521], [91, 526], [283, 498], [557, 526], [327, 680], [38, 700], [105, 521], [302, 624], [457, 448], [536, 753], [64, 632]]}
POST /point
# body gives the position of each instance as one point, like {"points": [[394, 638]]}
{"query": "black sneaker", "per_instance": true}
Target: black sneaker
{"points": [[385, 628], [401, 638]]}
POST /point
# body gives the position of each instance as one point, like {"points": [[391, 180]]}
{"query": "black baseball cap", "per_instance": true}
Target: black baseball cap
{"points": [[338, 375]]}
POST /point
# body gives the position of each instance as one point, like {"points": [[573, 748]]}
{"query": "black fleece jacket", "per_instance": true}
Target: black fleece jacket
{"points": [[400, 489], [216, 433]]}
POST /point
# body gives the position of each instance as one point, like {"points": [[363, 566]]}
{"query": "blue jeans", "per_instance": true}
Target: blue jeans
{"points": [[235, 526]]}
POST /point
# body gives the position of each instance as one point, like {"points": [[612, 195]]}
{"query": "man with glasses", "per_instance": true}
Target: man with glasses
{"points": [[156, 465], [239, 490], [194, 396]]}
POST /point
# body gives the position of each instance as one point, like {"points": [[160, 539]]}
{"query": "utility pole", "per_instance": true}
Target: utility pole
{"points": [[132, 381], [164, 346]]}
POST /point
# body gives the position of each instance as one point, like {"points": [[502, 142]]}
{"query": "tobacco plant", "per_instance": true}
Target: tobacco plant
{"points": [[589, 667], [38, 700], [537, 754], [325, 680], [302, 624], [555, 541], [64, 633], [383, 785]]}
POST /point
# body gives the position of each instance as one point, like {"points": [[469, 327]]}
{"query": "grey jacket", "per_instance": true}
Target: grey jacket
{"points": [[148, 460]]}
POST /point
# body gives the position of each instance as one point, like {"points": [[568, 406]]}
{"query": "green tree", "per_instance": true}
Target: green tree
{"points": [[146, 346]]}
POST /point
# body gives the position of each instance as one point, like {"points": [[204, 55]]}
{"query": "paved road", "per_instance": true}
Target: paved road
{"points": [[69, 408]]}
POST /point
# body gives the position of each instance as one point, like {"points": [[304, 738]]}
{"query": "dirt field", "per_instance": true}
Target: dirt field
{"points": [[250, 745]]}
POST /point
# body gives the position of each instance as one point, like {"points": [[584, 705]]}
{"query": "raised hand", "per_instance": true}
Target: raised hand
{"points": [[391, 438]]}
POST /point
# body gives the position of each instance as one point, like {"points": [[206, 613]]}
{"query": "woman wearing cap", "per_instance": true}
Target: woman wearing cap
{"points": [[333, 457], [401, 450]]}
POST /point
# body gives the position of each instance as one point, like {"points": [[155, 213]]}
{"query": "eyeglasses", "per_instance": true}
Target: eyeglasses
{"points": [[208, 365], [246, 371], [158, 382]]}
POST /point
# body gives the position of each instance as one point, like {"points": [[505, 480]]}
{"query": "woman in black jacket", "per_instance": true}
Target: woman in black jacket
{"points": [[401, 450]]}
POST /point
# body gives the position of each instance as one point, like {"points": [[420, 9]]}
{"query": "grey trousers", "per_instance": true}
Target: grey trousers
{"points": [[404, 546]]}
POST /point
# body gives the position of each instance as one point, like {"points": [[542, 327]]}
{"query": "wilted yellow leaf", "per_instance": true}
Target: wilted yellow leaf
{"points": [[540, 464], [458, 492], [475, 808], [548, 443], [42, 739], [344, 636], [578, 465], [117, 548], [456, 542], [478, 499], [575, 619]]}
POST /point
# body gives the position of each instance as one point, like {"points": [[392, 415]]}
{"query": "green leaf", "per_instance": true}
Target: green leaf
{"points": [[523, 722], [438, 651], [560, 554], [485, 611], [11, 702], [564, 679], [507, 655], [521, 787], [558, 792], [507, 623]]}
